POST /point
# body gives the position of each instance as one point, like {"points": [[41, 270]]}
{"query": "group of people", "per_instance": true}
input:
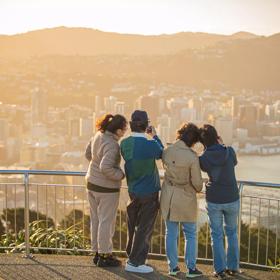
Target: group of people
{"points": [[177, 200]]}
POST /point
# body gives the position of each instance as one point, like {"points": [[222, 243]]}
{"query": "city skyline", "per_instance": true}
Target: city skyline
{"points": [[143, 17]]}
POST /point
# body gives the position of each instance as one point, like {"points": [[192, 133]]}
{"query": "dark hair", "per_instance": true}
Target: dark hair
{"points": [[188, 133], [138, 126], [208, 135], [111, 123]]}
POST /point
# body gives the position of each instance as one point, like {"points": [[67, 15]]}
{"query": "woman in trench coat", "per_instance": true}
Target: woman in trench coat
{"points": [[178, 203]]}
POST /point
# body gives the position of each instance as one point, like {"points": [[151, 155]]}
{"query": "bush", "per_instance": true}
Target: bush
{"points": [[13, 215], [77, 217]]}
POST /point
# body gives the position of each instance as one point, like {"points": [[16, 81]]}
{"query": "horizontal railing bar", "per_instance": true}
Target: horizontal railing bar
{"points": [[263, 198], [43, 172], [13, 184], [55, 185], [83, 173], [62, 249], [259, 184]]}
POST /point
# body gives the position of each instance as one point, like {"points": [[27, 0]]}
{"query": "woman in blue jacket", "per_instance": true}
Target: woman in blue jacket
{"points": [[222, 198]]}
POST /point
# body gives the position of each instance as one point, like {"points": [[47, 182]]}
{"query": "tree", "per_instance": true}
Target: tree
{"points": [[14, 217]]}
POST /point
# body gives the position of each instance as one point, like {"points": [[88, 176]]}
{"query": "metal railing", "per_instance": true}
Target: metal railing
{"points": [[258, 225]]}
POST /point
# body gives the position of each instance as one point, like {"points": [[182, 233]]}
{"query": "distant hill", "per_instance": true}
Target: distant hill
{"points": [[61, 57], [87, 42], [243, 35]]}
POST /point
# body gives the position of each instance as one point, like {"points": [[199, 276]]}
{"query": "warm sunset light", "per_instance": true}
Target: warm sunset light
{"points": [[143, 16], [141, 138]]}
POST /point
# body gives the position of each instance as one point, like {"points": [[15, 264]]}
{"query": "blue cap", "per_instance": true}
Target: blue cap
{"points": [[139, 116]]}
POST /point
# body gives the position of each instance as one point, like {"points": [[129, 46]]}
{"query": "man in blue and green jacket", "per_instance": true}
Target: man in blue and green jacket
{"points": [[140, 155]]}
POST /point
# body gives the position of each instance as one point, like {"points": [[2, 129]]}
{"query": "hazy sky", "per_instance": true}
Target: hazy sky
{"points": [[143, 16]]}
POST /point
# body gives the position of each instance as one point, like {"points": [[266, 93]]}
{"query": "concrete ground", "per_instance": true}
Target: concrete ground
{"points": [[13, 266]]}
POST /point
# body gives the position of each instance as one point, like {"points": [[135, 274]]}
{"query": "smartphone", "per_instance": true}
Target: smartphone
{"points": [[149, 129]]}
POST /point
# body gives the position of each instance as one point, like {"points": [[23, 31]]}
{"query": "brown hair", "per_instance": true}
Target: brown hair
{"points": [[208, 135], [111, 123], [188, 133]]}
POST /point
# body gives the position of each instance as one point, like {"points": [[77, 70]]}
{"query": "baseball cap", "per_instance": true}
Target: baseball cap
{"points": [[139, 116]]}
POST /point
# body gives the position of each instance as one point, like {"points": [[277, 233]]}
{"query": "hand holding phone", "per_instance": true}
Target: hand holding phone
{"points": [[151, 130]]}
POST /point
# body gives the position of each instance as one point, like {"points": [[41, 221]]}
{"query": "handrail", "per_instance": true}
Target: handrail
{"points": [[43, 172], [83, 173]]}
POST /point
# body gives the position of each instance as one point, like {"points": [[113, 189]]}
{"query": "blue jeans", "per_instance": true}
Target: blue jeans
{"points": [[224, 214], [171, 245]]}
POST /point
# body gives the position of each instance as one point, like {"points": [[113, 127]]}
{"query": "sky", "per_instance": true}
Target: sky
{"points": [[143, 16]]}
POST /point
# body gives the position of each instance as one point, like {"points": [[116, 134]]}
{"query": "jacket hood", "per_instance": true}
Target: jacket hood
{"points": [[216, 154]]}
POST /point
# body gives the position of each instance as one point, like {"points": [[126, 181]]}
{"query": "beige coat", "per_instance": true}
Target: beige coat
{"points": [[182, 180], [103, 152]]}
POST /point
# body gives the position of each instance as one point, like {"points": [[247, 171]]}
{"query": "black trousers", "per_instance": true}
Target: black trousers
{"points": [[141, 217]]}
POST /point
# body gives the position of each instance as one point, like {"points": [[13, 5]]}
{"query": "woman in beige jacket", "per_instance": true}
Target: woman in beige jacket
{"points": [[182, 180], [104, 178]]}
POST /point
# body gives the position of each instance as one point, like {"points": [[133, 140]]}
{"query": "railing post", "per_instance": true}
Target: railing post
{"points": [[26, 216], [241, 186]]}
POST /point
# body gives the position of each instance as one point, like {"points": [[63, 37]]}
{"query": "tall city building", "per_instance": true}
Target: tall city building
{"points": [[39, 106], [277, 110], [119, 108], [248, 118], [86, 127], [196, 103], [261, 113], [269, 112], [98, 107], [224, 128], [235, 106], [149, 104], [188, 115], [109, 104], [94, 119], [175, 105], [74, 128]]}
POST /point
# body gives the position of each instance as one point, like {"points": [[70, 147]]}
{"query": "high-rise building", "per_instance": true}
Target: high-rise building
{"points": [[224, 128], [276, 106], [119, 108], [175, 105], [188, 115], [39, 106], [164, 124], [149, 104], [94, 123], [235, 106], [269, 112], [74, 128], [86, 127], [98, 105], [260, 113], [248, 118], [164, 133], [196, 103], [109, 104]]}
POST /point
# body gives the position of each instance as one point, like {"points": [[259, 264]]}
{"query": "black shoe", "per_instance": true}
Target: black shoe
{"points": [[232, 272], [95, 258], [107, 260], [220, 275], [174, 271], [193, 273]]}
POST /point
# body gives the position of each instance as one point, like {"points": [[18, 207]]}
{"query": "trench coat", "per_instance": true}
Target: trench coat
{"points": [[182, 181]]}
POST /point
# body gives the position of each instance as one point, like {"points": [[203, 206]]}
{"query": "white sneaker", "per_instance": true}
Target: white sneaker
{"points": [[138, 269]]}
